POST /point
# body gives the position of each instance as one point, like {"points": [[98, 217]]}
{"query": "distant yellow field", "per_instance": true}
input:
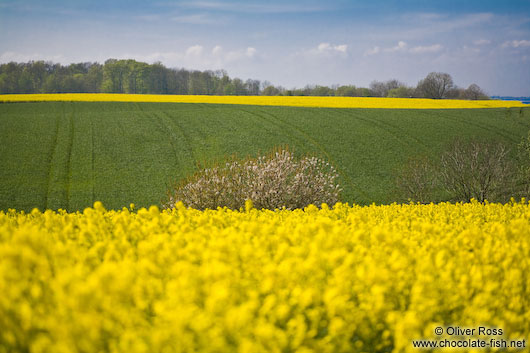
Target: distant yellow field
{"points": [[322, 102]]}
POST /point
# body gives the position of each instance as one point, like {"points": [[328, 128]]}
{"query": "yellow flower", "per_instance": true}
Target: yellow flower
{"points": [[335, 279], [294, 101]]}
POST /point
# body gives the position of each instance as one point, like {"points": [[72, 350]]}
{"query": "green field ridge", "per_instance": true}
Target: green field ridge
{"points": [[69, 154]]}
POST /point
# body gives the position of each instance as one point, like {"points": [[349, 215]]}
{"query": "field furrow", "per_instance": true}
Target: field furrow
{"points": [[59, 162], [179, 137], [49, 162], [317, 147], [399, 133], [69, 156], [498, 131]]}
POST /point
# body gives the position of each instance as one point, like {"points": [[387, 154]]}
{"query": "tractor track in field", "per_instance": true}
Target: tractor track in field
{"points": [[69, 146], [390, 129], [311, 140], [59, 161], [49, 161], [267, 125], [517, 115], [274, 120], [171, 121], [493, 129], [273, 123], [52, 171], [165, 122], [165, 129], [92, 162]]}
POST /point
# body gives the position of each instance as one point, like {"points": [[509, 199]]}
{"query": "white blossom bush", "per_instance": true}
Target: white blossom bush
{"points": [[275, 181]]}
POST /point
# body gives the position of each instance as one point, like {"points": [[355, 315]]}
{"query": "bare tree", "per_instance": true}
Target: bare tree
{"points": [[435, 85], [393, 84], [417, 179], [378, 88], [477, 170], [381, 89], [523, 165], [474, 92]]}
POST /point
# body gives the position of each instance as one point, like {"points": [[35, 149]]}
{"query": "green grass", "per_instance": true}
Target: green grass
{"points": [[67, 155]]}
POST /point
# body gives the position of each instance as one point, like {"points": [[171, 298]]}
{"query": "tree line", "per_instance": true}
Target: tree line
{"points": [[131, 76]]}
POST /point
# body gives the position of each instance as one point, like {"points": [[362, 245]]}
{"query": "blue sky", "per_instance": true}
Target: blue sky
{"points": [[289, 43]]}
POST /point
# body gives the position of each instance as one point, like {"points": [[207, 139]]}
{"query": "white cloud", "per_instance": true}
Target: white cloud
{"points": [[342, 48], [197, 57], [195, 50], [9, 56], [516, 43], [322, 47], [330, 48], [250, 52], [217, 50], [241, 54], [426, 49], [401, 46], [373, 51]]}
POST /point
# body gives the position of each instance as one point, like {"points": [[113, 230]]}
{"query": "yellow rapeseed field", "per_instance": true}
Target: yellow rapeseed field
{"points": [[345, 279], [323, 102]]}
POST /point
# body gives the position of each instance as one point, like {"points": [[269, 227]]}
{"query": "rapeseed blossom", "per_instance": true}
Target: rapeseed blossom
{"points": [[294, 101], [340, 279]]}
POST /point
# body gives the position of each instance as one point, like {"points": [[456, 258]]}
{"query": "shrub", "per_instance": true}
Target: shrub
{"points": [[274, 181], [417, 179], [477, 170], [465, 171], [522, 182]]}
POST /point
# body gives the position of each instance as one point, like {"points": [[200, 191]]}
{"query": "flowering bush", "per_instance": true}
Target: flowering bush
{"points": [[276, 181]]}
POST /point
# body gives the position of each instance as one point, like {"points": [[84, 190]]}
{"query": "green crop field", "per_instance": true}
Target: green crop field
{"points": [[69, 154]]}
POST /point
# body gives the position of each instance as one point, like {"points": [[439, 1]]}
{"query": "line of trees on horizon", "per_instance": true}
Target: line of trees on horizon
{"points": [[131, 76]]}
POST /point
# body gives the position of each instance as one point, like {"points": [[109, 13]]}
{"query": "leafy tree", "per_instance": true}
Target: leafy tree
{"points": [[322, 91], [252, 87], [197, 84], [114, 76], [346, 91], [131, 76], [157, 81], [25, 83], [239, 87], [402, 92], [271, 91], [94, 78], [10, 73]]}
